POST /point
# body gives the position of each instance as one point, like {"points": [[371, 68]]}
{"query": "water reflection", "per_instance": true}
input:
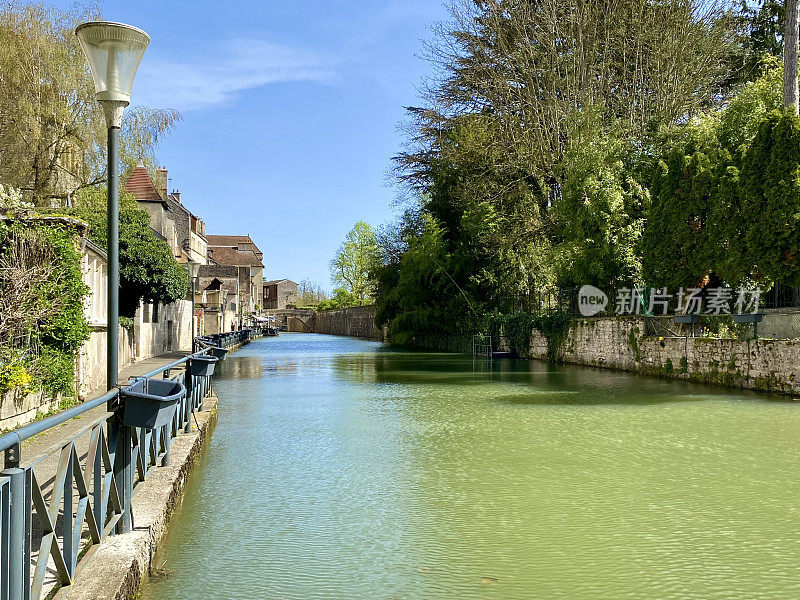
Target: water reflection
{"points": [[351, 471]]}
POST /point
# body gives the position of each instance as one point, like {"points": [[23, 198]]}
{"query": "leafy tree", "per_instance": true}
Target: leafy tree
{"points": [[341, 299], [355, 262], [600, 214], [770, 203], [53, 132], [148, 271]]}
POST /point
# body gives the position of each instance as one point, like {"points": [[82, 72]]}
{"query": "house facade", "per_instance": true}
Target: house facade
{"points": [[237, 262], [279, 294]]}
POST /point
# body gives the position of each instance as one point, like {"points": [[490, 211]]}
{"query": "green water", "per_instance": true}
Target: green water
{"points": [[341, 470]]}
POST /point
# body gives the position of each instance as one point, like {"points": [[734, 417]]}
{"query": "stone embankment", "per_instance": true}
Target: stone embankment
{"points": [[120, 564], [358, 321], [620, 343]]}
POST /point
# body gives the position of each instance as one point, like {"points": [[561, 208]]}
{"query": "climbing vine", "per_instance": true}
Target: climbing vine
{"points": [[41, 299], [517, 330]]}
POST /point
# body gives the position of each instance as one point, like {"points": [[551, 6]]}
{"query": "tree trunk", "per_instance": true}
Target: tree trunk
{"points": [[790, 41]]}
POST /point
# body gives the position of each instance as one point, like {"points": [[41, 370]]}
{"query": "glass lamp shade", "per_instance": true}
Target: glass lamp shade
{"points": [[114, 51], [194, 269]]}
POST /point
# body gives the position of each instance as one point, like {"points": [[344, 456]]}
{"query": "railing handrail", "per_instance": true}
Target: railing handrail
{"points": [[104, 475], [25, 432], [15, 437]]}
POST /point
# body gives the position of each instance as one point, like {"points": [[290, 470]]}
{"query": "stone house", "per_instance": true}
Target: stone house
{"points": [[173, 222], [245, 269], [279, 294]]}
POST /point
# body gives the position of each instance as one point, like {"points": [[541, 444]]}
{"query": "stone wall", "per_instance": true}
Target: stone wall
{"points": [[91, 367], [620, 343], [358, 321], [172, 331]]}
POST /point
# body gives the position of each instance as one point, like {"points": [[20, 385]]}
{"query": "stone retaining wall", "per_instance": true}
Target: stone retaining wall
{"points": [[358, 321], [620, 343]]}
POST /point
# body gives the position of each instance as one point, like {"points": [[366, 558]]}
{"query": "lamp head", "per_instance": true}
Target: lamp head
{"points": [[114, 51], [194, 268]]}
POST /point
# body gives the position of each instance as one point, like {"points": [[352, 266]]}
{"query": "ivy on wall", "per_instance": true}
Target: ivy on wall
{"points": [[42, 295], [517, 329]]}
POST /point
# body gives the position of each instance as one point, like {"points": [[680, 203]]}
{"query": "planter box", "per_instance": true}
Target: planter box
{"points": [[203, 366], [153, 405], [219, 353]]}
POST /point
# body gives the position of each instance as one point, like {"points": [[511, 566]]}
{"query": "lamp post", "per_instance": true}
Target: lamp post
{"points": [[114, 51], [194, 271]]}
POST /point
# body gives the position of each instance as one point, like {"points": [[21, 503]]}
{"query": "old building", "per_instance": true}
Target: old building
{"points": [[279, 294], [170, 219], [237, 262]]}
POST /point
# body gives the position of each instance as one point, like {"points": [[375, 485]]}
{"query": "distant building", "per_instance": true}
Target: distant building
{"points": [[173, 222], [236, 260], [279, 294]]}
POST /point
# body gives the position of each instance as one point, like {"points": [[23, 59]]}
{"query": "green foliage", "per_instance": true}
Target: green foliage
{"points": [[57, 369], [126, 323], [517, 329], [770, 204], [14, 374], [599, 216], [341, 299], [725, 196], [421, 293], [356, 261], [52, 314], [54, 135], [148, 271]]}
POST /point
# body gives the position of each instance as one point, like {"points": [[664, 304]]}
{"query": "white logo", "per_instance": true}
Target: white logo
{"points": [[591, 300]]}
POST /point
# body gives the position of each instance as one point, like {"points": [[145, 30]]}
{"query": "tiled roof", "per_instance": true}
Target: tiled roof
{"points": [[274, 281], [228, 240], [231, 256], [141, 186]]}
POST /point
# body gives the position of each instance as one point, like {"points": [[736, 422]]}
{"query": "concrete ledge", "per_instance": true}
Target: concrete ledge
{"points": [[116, 567]]}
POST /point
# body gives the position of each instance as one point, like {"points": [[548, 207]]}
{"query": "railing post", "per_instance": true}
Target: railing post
{"points": [[189, 398], [122, 440], [19, 546]]}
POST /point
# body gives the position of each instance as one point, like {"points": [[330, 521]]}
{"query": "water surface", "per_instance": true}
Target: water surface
{"points": [[343, 470]]}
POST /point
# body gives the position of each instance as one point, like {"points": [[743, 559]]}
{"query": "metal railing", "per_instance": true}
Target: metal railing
{"points": [[49, 522]]}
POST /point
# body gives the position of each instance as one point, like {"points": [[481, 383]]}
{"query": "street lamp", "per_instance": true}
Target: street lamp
{"points": [[194, 271], [114, 51]]}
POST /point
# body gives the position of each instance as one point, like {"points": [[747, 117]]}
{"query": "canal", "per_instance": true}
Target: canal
{"points": [[342, 470]]}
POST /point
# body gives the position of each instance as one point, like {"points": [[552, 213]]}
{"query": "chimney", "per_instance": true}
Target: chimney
{"points": [[177, 195], [161, 182]]}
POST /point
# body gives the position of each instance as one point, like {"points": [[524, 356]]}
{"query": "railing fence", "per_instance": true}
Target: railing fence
{"points": [[46, 526]]}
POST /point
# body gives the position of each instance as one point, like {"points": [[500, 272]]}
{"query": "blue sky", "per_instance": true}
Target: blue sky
{"points": [[291, 113]]}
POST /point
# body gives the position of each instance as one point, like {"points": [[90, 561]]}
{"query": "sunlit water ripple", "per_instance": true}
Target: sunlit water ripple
{"points": [[341, 470]]}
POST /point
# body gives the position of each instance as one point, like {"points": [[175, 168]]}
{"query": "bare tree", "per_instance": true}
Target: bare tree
{"points": [[25, 264]]}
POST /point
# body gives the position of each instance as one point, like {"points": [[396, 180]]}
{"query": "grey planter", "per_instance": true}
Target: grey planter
{"points": [[203, 366], [155, 407], [219, 353]]}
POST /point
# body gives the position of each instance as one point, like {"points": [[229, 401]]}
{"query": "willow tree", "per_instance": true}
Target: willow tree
{"points": [[52, 131]]}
